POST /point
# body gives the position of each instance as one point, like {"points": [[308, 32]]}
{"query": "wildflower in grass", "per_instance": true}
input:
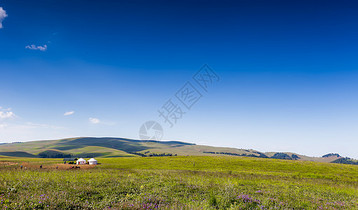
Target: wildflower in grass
{"points": [[248, 199]]}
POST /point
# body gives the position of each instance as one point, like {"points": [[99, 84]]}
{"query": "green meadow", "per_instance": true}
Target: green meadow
{"points": [[182, 182]]}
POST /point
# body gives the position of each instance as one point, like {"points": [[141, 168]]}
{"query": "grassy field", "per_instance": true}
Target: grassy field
{"points": [[178, 183]]}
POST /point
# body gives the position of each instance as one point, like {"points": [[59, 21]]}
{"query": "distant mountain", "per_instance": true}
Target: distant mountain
{"points": [[122, 147]]}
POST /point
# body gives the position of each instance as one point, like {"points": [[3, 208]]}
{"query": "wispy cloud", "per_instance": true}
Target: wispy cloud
{"points": [[69, 113], [34, 47], [94, 120], [6, 114], [38, 125], [3, 15], [15, 128]]}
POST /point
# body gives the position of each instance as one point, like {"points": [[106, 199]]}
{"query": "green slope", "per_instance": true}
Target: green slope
{"points": [[97, 147], [121, 147]]}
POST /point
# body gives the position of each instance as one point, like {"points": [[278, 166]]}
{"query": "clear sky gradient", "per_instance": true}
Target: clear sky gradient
{"points": [[288, 71]]}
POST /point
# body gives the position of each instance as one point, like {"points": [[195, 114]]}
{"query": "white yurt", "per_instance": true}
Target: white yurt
{"points": [[81, 161], [92, 161]]}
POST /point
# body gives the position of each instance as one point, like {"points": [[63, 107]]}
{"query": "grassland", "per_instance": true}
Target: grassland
{"points": [[121, 147], [178, 183]]}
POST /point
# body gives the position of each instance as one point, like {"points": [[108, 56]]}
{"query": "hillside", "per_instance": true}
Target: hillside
{"points": [[122, 147], [110, 147]]}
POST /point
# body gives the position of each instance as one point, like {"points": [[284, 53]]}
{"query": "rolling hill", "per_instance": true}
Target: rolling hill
{"points": [[122, 147]]}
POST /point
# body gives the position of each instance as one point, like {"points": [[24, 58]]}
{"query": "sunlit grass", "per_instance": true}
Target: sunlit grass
{"points": [[180, 183]]}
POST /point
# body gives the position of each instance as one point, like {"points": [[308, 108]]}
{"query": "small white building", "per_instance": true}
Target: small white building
{"points": [[81, 161], [92, 161]]}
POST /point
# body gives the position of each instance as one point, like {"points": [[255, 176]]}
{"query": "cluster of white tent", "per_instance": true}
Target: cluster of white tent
{"points": [[82, 161]]}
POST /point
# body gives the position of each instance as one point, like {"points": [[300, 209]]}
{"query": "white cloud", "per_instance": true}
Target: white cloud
{"points": [[69, 113], [34, 47], [14, 128], [94, 120], [6, 115], [3, 15]]}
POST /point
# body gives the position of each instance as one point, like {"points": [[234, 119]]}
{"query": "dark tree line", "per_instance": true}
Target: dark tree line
{"points": [[53, 154], [331, 155], [148, 154], [259, 155], [346, 160]]}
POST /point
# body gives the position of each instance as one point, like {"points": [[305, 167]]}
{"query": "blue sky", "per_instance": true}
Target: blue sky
{"points": [[288, 71]]}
